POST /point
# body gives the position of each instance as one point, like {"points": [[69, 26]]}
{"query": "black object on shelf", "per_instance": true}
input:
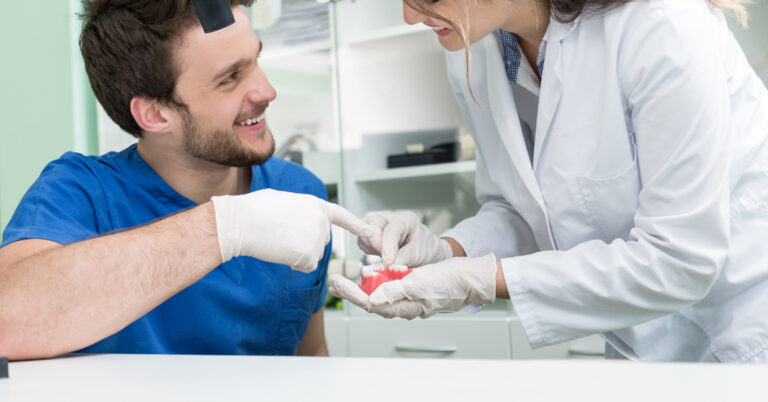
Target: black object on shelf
{"points": [[441, 153], [3, 367]]}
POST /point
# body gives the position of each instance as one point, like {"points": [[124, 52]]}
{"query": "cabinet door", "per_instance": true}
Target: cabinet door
{"points": [[445, 338], [590, 347], [336, 333]]}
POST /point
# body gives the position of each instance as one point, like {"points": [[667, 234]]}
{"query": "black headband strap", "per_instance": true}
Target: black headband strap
{"points": [[214, 14]]}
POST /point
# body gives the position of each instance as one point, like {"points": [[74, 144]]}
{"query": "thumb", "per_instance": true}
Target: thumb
{"points": [[391, 237], [347, 220], [408, 255], [343, 288]]}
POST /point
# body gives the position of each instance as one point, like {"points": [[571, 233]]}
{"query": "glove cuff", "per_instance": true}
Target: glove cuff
{"points": [[485, 271], [444, 251], [221, 209]]}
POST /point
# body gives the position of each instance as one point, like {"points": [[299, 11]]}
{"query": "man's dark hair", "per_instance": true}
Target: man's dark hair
{"points": [[127, 46]]}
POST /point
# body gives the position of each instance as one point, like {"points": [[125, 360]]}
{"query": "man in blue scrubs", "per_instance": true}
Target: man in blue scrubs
{"points": [[194, 240]]}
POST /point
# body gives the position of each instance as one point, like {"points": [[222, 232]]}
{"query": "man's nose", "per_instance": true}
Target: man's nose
{"points": [[261, 90], [412, 16]]}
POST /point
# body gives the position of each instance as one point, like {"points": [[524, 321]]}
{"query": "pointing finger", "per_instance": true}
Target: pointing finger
{"points": [[347, 220]]}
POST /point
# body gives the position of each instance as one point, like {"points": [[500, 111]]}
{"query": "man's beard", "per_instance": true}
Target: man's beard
{"points": [[220, 146]]}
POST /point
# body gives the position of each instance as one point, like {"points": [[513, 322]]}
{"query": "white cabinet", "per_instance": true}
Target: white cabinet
{"points": [[591, 347], [336, 333], [437, 337], [487, 335]]}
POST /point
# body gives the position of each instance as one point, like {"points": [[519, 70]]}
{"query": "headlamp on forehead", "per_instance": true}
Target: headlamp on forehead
{"points": [[214, 14]]}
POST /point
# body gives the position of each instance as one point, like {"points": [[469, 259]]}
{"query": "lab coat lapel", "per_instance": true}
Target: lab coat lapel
{"points": [[551, 84], [504, 111]]}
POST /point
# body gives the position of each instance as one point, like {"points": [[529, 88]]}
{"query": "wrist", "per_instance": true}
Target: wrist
{"points": [[219, 207], [445, 251], [454, 248], [482, 276], [501, 284]]}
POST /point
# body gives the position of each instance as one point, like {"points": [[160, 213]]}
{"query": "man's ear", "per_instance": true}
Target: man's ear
{"points": [[150, 115]]}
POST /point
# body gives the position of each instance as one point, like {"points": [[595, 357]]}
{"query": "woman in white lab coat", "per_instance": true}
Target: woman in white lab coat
{"points": [[622, 169]]}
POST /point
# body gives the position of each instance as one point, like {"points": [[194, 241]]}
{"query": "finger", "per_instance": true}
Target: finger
{"points": [[377, 219], [366, 245], [403, 309], [347, 220], [393, 235], [343, 288], [405, 256], [379, 222], [372, 244]]}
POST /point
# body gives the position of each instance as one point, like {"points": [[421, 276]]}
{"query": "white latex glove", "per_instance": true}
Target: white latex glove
{"points": [[438, 288], [280, 227], [403, 240]]}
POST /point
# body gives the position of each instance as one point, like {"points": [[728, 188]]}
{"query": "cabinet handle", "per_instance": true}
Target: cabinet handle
{"points": [[576, 352], [416, 349]]}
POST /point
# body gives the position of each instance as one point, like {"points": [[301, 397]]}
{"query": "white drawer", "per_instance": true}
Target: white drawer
{"points": [[469, 337], [590, 347], [336, 333]]}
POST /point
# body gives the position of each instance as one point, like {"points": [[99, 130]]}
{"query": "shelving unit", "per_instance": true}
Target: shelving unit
{"points": [[386, 33], [418, 172], [269, 54]]}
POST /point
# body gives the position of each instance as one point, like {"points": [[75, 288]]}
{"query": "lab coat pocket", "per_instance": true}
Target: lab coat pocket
{"points": [[612, 201], [298, 307]]}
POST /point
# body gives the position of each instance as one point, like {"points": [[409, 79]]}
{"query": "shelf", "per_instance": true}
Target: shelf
{"points": [[386, 33], [439, 169], [279, 52]]}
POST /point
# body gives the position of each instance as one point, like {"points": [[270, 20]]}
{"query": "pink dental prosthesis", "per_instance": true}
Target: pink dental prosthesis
{"points": [[374, 275]]}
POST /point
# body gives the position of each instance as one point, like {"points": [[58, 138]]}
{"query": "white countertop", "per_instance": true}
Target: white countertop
{"points": [[257, 378]]}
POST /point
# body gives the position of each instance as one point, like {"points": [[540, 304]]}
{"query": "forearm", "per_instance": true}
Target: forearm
{"points": [[69, 297]]}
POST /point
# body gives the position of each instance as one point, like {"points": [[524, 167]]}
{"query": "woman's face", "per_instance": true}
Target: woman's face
{"points": [[485, 17]]}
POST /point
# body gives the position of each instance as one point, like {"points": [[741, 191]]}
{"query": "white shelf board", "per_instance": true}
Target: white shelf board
{"points": [[438, 169], [297, 50], [386, 33]]}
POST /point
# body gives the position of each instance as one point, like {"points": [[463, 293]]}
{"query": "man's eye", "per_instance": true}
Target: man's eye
{"points": [[232, 78]]}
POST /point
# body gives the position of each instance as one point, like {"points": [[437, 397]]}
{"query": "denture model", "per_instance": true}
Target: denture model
{"points": [[374, 275]]}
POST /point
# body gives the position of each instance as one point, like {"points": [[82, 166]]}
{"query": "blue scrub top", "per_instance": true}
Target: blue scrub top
{"points": [[245, 306]]}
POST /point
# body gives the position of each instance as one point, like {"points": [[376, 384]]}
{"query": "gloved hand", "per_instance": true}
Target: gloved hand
{"points": [[438, 288], [403, 240], [280, 227]]}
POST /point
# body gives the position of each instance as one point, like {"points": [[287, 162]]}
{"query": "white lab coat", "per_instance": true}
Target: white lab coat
{"points": [[645, 214]]}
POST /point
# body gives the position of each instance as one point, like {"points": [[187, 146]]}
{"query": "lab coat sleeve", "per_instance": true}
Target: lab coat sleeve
{"points": [[670, 70], [497, 227]]}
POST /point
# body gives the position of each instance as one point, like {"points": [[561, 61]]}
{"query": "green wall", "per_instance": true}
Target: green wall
{"points": [[46, 105]]}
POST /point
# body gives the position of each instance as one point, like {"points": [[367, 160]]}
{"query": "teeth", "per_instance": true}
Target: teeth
{"points": [[370, 270], [252, 121], [373, 270]]}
